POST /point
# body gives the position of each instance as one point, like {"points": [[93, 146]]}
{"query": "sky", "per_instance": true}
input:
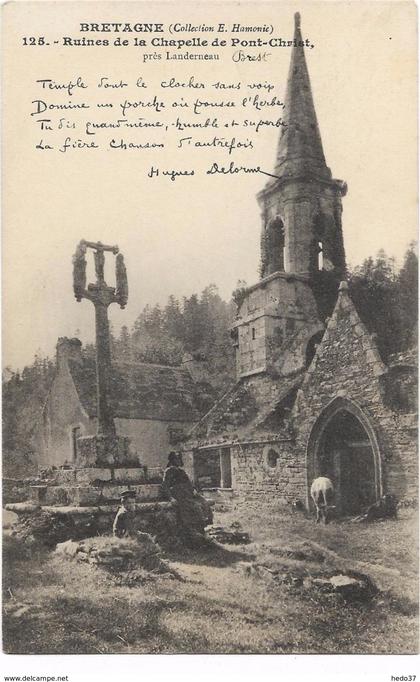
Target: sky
{"points": [[178, 237]]}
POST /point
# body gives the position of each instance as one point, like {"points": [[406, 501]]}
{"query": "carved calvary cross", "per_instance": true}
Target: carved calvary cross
{"points": [[101, 295]]}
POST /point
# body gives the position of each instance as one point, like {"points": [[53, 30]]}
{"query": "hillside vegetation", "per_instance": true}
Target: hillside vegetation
{"points": [[199, 325]]}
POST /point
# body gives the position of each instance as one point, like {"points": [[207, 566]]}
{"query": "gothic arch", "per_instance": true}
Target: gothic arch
{"points": [[271, 457], [342, 408], [317, 245], [273, 246]]}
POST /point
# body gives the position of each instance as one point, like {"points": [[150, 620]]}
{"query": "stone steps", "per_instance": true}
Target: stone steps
{"points": [[26, 508], [122, 475], [91, 495]]}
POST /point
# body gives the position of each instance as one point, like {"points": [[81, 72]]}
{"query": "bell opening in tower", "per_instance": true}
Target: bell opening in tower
{"points": [[272, 247], [320, 257]]}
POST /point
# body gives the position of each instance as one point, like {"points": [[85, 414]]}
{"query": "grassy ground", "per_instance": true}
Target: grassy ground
{"points": [[59, 606]]}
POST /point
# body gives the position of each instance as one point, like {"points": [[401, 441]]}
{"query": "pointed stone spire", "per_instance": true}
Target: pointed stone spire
{"points": [[300, 147]]}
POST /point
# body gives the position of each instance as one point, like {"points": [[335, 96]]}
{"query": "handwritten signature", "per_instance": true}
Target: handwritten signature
{"points": [[215, 168]]}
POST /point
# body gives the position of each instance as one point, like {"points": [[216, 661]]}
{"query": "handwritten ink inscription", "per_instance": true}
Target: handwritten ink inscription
{"points": [[202, 125]]}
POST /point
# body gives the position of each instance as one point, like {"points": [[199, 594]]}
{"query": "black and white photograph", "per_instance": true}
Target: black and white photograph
{"points": [[210, 347]]}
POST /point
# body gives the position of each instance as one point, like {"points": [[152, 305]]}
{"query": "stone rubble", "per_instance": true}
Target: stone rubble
{"points": [[114, 554], [228, 536]]}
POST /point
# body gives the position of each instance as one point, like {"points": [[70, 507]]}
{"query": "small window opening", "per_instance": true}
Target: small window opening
{"points": [[225, 468], [75, 433], [253, 333], [313, 343], [278, 336], [272, 457], [320, 256], [290, 325]]}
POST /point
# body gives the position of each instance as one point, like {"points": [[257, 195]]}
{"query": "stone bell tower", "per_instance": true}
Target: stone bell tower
{"points": [[302, 251], [301, 205]]}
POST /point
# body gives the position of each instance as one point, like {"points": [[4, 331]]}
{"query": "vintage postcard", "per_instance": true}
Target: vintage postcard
{"points": [[210, 332]]}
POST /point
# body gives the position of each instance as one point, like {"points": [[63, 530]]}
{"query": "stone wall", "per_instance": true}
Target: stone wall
{"points": [[270, 471], [348, 372], [271, 313], [303, 206], [151, 439], [15, 489], [61, 414]]}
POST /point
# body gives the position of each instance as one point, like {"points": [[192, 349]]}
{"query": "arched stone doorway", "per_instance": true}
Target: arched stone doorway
{"points": [[344, 447]]}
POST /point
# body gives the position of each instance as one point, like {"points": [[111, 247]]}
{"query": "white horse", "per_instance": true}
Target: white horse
{"points": [[322, 491]]}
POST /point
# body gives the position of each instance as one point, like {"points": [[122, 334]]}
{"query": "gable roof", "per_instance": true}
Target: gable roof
{"points": [[346, 348], [138, 390], [254, 403]]}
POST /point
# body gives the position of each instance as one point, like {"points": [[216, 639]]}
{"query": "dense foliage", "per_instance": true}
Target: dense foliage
{"points": [[199, 326], [387, 300], [24, 394]]}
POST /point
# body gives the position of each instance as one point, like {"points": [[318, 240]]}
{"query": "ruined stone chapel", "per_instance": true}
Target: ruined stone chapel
{"points": [[313, 395]]}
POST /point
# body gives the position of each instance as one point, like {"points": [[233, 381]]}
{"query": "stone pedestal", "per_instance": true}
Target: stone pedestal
{"points": [[84, 500], [87, 495], [89, 486], [53, 524], [105, 451]]}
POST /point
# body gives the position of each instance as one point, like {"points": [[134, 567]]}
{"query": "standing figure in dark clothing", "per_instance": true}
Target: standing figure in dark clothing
{"points": [[177, 486], [123, 526]]}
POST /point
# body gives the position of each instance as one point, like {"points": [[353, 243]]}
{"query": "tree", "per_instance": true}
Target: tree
{"points": [[173, 319], [150, 340], [122, 346], [408, 289], [386, 302], [193, 336], [24, 396]]}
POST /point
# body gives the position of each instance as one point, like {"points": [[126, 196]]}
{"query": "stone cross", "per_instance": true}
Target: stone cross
{"points": [[101, 296]]}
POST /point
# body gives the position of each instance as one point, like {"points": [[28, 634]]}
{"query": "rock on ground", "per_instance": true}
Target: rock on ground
{"points": [[228, 536], [351, 586], [114, 554], [300, 552]]}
